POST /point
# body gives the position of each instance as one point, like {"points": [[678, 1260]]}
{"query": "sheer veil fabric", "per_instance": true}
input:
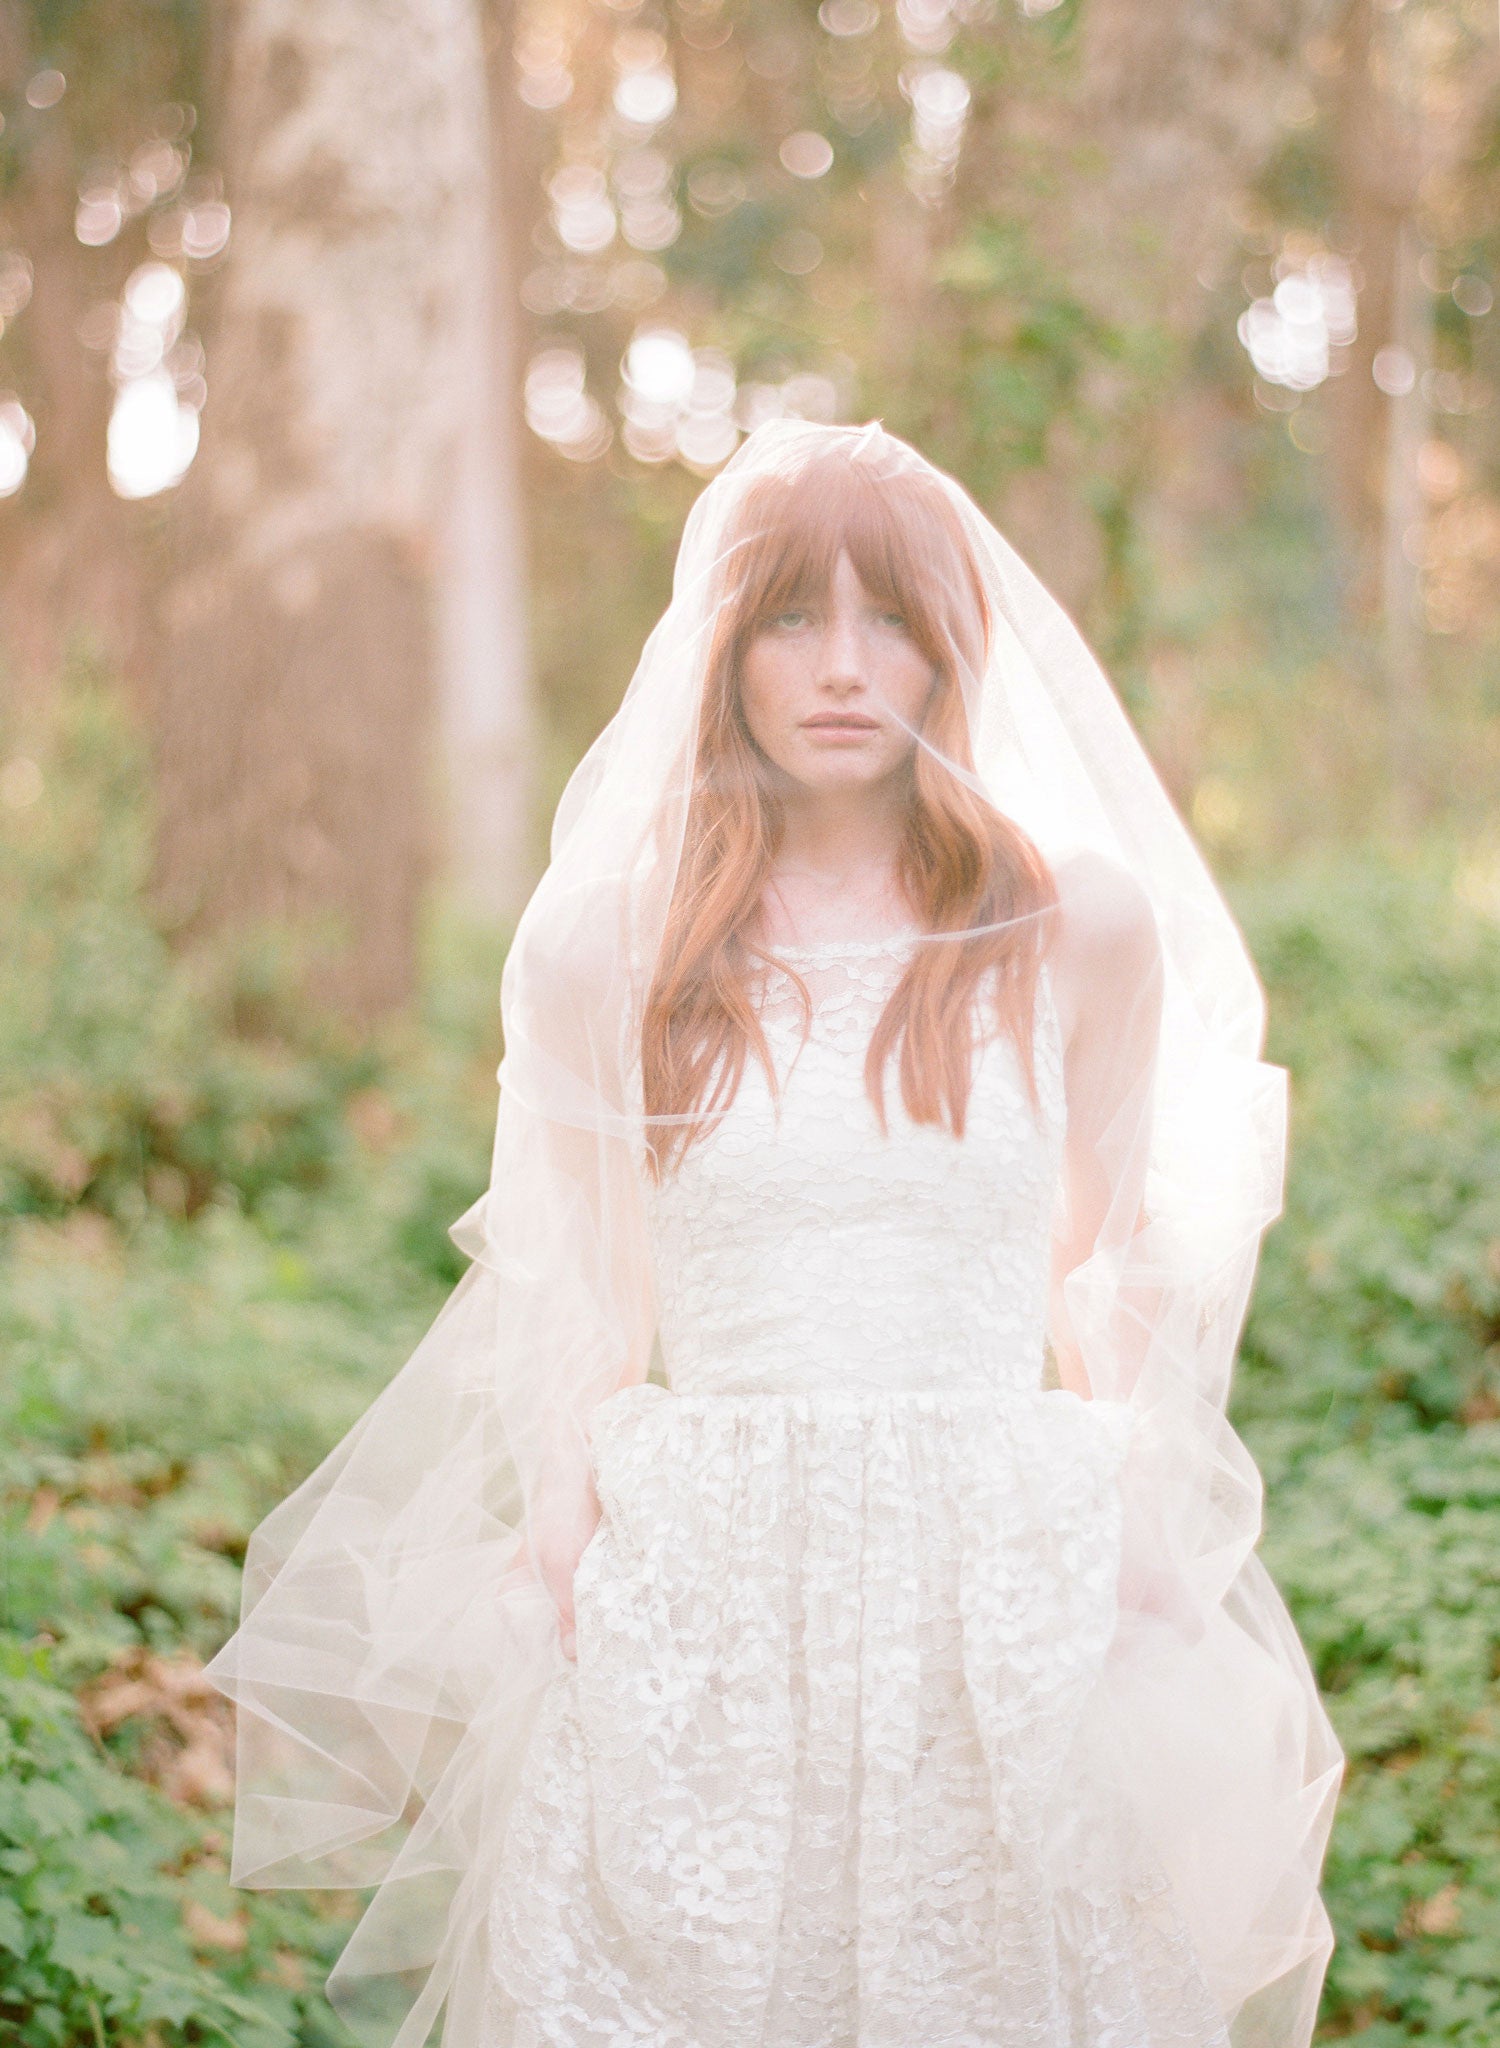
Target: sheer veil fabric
{"points": [[396, 1639]]}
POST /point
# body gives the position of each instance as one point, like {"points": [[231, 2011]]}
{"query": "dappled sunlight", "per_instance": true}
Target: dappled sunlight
{"points": [[359, 369], [153, 425], [153, 437], [1292, 336], [17, 439]]}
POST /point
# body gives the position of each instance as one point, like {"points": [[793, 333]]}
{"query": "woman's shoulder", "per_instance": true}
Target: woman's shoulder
{"points": [[1102, 908], [1106, 937], [573, 940]]}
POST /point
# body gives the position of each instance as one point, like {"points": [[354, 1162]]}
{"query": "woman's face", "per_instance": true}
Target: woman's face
{"points": [[832, 688]]}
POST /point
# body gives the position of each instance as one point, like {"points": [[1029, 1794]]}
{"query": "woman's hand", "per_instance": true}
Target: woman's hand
{"points": [[562, 1525]]}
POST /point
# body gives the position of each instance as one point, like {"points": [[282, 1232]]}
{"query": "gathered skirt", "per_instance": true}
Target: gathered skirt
{"points": [[821, 1777]]}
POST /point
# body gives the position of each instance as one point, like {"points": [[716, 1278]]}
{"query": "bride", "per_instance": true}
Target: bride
{"points": [[801, 1594]]}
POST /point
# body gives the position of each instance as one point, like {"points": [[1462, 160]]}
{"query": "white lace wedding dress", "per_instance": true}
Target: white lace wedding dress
{"points": [[814, 1782]]}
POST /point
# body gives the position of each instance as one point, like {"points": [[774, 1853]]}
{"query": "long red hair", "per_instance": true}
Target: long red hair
{"points": [[961, 861]]}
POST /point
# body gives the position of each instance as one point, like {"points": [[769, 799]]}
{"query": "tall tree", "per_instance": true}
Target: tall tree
{"points": [[487, 724], [300, 627], [1413, 104]]}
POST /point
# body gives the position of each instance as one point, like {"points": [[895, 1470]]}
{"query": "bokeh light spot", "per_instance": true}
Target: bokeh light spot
{"points": [[715, 188], [99, 216], [545, 81], [559, 408], [807, 154], [1290, 334], [645, 98], [153, 437], [45, 88], [846, 18], [798, 253], [1394, 371], [926, 25], [205, 230], [17, 439], [15, 283], [658, 367], [155, 294], [705, 440], [581, 209]]}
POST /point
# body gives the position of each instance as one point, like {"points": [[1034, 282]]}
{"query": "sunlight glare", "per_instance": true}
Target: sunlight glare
{"points": [[153, 437], [646, 98], [1290, 335], [17, 440]]}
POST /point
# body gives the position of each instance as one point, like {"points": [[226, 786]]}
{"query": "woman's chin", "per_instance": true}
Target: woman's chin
{"points": [[839, 767]]}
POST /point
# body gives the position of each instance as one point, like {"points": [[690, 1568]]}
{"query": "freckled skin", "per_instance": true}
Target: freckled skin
{"points": [[844, 652]]}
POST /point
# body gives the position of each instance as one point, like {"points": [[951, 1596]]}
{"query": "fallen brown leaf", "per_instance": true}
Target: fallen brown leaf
{"points": [[208, 1930], [45, 1503], [186, 1726]]}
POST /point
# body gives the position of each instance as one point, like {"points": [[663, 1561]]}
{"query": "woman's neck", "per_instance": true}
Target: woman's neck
{"points": [[836, 871], [840, 836]]}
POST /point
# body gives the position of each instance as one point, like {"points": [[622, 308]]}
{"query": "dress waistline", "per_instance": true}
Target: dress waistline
{"points": [[994, 1397]]}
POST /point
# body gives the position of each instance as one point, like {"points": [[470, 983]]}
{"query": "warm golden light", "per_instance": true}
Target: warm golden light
{"points": [[17, 439], [1290, 336]]}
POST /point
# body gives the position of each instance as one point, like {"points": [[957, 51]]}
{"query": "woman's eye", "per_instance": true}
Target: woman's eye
{"points": [[789, 620], [896, 619]]}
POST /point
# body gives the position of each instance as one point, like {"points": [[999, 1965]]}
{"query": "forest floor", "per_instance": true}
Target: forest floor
{"points": [[222, 1228]]}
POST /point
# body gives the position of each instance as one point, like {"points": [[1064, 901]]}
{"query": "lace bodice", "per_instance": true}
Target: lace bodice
{"points": [[823, 1772], [797, 1249]]}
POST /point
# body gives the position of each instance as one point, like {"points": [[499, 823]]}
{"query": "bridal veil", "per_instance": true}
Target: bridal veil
{"points": [[396, 1640]]}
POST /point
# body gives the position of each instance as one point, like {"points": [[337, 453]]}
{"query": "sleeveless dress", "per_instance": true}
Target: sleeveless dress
{"points": [[812, 1782]]}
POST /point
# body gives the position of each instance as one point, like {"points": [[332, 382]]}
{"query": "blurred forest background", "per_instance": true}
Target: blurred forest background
{"points": [[358, 365]]}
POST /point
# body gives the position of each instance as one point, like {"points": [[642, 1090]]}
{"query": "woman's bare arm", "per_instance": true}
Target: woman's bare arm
{"points": [[1106, 965]]}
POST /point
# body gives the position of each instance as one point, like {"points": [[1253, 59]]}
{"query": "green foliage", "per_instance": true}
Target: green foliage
{"points": [[172, 1368], [1370, 1391], [112, 1896], [1383, 1312], [129, 1083], [1021, 347]]}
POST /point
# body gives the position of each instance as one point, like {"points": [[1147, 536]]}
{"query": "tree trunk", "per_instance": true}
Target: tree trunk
{"points": [[486, 692], [1403, 627], [301, 630], [1379, 432], [1376, 177]]}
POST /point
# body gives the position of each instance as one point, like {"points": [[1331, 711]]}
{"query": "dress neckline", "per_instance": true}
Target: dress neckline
{"points": [[815, 951], [847, 949]]}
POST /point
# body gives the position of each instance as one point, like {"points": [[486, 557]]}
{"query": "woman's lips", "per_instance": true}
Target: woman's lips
{"points": [[847, 725]]}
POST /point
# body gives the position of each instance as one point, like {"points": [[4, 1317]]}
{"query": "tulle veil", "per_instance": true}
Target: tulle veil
{"points": [[396, 1641]]}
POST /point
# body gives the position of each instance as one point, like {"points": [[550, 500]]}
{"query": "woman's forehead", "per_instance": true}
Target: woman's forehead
{"points": [[812, 561], [839, 568]]}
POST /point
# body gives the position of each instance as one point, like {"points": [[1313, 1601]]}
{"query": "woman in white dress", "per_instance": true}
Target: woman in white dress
{"points": [[802, 1593]]}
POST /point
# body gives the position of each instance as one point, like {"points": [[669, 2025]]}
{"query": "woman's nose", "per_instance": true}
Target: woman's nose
{"points": [[842, 661]]}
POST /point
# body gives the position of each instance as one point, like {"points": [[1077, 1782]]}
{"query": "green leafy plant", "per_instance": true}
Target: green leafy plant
{"points": [[117, 1921], [1370, 1390], [172, 1367]]}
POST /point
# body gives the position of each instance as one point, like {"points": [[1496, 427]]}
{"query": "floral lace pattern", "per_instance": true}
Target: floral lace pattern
{"points": [[797, 1247], [816, 1781]]}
